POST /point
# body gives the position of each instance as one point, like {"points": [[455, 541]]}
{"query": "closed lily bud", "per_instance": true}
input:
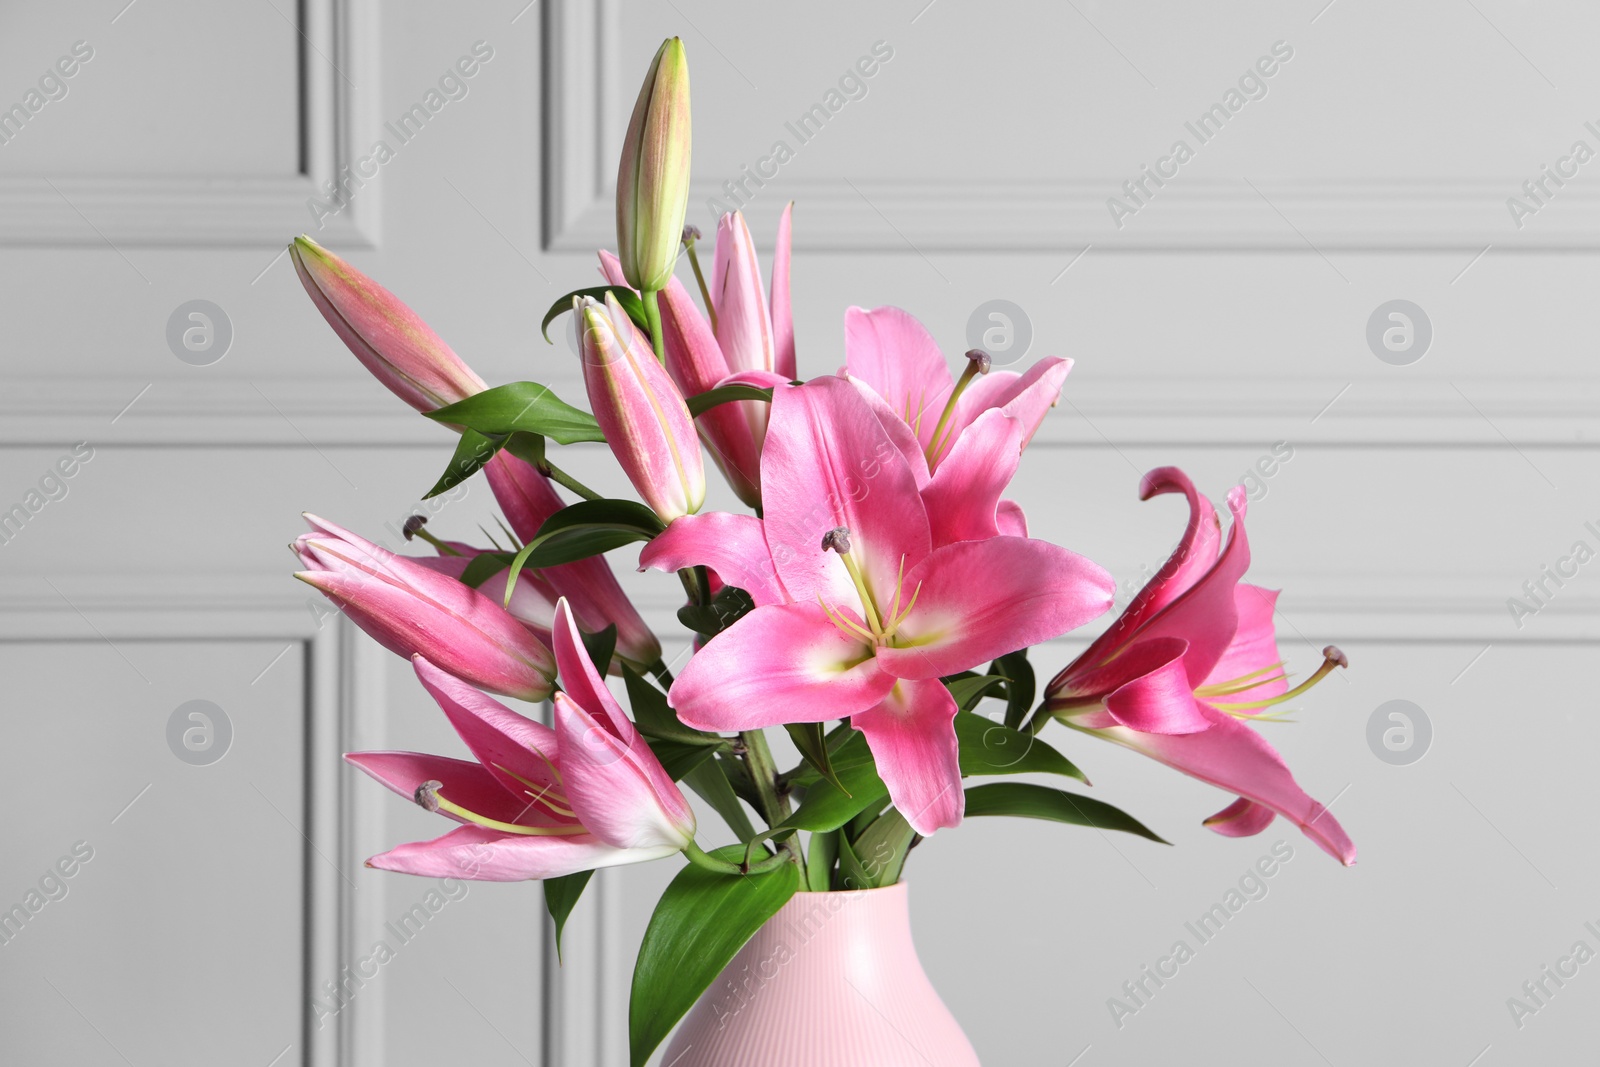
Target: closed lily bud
{"points": [[388, 337], [412, 610], [653, 177], [640, 410]]}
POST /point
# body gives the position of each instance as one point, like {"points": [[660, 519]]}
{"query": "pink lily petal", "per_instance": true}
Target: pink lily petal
{"points": [[976, 600], [528, 499], [1196, 553], [894, 426], [1087, 687], [782, 312], [533, 601], [619, 792], [780, 663], [1010, 520], [891, 351], [521, 754], [827, 463], [1254, 650], [1205, 614], [483, 855], [1242, 818], [1026, 397], [1232, 756], [463, 782], [733, 545], [963, 497], [744, 327], [913, 742], [1159, 699]]}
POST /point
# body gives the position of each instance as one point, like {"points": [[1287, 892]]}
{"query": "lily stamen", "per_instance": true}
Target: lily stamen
{"points": [[978, 362], [1331, 658], [430, 796], [1242, 683], [838, 540]]}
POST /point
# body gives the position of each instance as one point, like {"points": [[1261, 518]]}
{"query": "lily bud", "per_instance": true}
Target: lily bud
{"points": [[388, 337], [413, 610], [640, 410], [653, 176]]}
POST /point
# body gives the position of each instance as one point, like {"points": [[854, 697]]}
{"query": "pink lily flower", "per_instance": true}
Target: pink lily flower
{"points": [[753, 343], [411, 609], [533, 599], [640, 410], [388, 337], [890, 353], [528, 499], [535, 802], [1192, 659], [860, 611]]}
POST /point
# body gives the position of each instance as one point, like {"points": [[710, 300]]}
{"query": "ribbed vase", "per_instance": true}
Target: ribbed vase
{"points": [[832, 980]]}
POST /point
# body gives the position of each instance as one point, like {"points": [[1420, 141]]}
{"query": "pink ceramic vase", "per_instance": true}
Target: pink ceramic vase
{"points": [[832, 980]]}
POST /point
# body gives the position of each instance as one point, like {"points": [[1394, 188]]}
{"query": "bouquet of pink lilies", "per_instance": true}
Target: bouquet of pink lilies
{"points": [[881, 582]]}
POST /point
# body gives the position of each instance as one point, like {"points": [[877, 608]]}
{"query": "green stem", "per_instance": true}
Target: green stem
{"points": [[705, 293], [558, 475], [774, 806], [697, 856], [652, 315]]}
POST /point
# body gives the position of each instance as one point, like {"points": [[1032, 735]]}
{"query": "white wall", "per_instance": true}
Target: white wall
{"points": [[1226, 315]]}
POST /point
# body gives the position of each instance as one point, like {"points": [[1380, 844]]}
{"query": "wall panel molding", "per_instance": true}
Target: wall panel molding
{"points": [[339, 88], [586, 102]]}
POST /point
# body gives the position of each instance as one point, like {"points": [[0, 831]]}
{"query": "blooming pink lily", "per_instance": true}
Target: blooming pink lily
{"points": [[388, 337], [1186, 666], [892, 354], [532, 601], [640, 410], [527, 498], [860, 611], [535, 802], [753, 343], [411, 609]]}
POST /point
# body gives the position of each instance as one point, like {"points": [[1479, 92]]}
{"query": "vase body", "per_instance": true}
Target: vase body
{"points": [[832, 980]]}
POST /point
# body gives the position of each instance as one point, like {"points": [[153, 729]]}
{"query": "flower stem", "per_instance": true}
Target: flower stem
{"points": [[774, 805], [705, 293], [698, 856], [652, 315], [558, 475]]}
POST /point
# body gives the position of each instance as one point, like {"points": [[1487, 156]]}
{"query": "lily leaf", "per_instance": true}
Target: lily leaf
{"points": [[526, 406], [813, 745], [726, 608], [828, 806], [473, 450], [700, 923], [561, 896], [655, 718], [626, 297], [971, 689], [600, 647], [678, 759], [710, 780], [881, 849], [1020, 685], [989, 747], [701, 403], [1041, 802]]}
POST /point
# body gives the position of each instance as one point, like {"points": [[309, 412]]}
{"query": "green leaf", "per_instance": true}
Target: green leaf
{"points": [[484, 565], [813, 745], [710, 780], [726, 608], [700, 923], [626, 297], [561, 896], [820, 858], [828, 806], [602, 514], [525, 406], [882, 849], [989, 747], [701, 403], [679, 759], [968, 691], [600, 647], [1020, 685], [1041, 802], [852, 875], [473, 450], [655, 718]]}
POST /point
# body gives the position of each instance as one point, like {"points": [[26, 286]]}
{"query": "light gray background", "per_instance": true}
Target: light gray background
{"points": [[1227, 315]]}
